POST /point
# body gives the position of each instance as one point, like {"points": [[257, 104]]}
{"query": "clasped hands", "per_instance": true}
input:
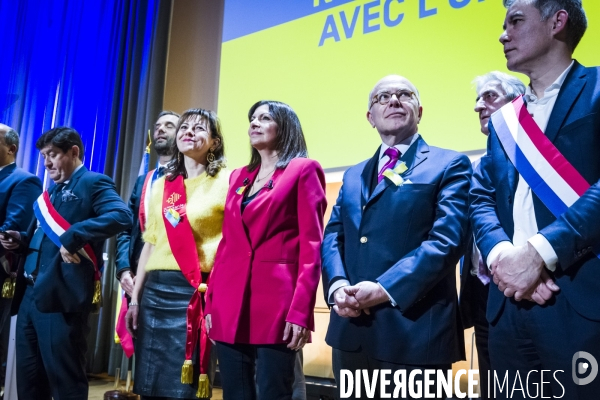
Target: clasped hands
{"points": [[519, 272], [351, 301]]}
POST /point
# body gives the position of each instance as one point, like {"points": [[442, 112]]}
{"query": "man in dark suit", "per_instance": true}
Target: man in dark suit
{"points": [[129, 242], [494, 90], [392, 244], [18, 191], [535, 256], [56, 283]]}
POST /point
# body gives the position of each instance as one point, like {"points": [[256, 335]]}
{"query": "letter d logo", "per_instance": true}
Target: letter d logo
{"points": [[583, 368]]}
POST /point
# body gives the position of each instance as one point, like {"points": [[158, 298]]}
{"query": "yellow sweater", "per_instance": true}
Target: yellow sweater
{"points": [[205, 204]]}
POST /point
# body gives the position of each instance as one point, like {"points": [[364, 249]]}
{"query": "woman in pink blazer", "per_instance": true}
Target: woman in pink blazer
{"points": [[261, 294]]}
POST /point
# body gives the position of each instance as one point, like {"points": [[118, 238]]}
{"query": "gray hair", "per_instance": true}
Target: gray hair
{"points": [[512, 86], [576, 24], [11, 137]]}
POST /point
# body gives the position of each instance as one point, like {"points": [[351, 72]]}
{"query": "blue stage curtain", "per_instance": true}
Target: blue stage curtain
{"points": [[96, 66]]}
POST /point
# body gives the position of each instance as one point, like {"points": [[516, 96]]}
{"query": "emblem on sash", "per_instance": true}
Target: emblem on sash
{"points": [[173, 198]]}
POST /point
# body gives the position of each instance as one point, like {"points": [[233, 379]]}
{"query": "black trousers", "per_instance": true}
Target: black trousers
{"points": [[482, 329], [273, 366], [359, 360], [50, 350], [534, 348]]}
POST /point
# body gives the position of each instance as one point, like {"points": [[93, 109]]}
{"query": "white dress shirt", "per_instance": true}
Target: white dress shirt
{"points": [[403, 147], [526, 229]]}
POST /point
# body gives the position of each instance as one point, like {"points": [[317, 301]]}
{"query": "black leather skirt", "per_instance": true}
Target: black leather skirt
{"points": [[160, 343]]}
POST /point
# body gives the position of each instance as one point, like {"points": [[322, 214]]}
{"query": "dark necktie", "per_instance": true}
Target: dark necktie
{"points": [[394, 154], [57, 191], [160, 172], [31, 262]]}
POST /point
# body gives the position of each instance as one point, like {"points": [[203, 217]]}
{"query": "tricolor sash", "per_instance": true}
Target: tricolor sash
{"points": [[547, 172], [184, 249], [122, 335], [145, 197], [54, 225]]}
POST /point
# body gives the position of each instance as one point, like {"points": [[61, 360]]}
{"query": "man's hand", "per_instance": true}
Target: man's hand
{"points": [[131, 319], [345, 306], [10, 240], [543, 290], [367, 294], [299, 335], [517, 270], [127, 281], [68, 257]]}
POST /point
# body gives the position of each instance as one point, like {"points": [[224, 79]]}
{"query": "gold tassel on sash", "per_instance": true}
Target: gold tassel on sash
{"points": [[8, 288], [203, 387], [187, 372], [97, 299]]}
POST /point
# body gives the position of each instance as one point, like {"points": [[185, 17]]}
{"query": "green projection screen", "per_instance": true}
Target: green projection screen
{"points": [[322, 57]]}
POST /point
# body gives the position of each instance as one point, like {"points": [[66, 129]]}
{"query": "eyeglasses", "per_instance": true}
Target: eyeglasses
{"points": [[383, 98]]}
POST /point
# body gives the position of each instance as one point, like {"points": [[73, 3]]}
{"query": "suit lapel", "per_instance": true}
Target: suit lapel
{"points": [[246, 178], [367, 176], [570, 90], [415, 155], [69, 186], [6, 171]]}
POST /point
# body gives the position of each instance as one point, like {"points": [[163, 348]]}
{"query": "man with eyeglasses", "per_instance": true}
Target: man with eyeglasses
{"points": [[390, 249], [494, 90]]}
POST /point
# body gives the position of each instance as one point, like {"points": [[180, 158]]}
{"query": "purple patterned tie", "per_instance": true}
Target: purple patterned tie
{"points": [[394, 154]]}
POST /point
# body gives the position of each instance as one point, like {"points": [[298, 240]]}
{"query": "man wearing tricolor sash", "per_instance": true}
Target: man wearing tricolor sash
{"points": [[129, 242], [534, 206], [18, 191], [59, 282]]}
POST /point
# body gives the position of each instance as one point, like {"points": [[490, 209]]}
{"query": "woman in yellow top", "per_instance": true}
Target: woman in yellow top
{"points": [[183, 231]]}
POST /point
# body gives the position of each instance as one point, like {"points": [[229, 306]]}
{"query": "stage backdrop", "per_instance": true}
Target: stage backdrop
{"points": [[323, 57]]}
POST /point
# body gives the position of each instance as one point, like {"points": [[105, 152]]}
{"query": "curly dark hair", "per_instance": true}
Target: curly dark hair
{"points": [[62, 137]]}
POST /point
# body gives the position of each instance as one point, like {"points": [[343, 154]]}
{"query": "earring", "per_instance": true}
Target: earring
{"points": [[210, 157]]}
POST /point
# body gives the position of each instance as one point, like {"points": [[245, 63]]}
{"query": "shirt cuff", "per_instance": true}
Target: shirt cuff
{"points": [[545, 250], [335, 286], [495, 252], [388, 295]]}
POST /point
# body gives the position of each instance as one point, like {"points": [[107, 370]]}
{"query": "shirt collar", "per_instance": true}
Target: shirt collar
{"points": [[550, 90], [76, 169], [4, 166], [402, 146]]}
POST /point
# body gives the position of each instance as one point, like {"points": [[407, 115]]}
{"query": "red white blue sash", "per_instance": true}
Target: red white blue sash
{"points": [[145, 197], [54, 225], [547, 172]]}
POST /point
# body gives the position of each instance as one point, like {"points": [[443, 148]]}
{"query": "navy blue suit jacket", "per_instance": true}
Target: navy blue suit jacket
{"points": [[415, 234], [129, 242], [574, 128], [18, 190], [90, 203]]}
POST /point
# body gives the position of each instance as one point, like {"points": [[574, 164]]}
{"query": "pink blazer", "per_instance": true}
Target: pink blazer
{"points": [[268, 264]]}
